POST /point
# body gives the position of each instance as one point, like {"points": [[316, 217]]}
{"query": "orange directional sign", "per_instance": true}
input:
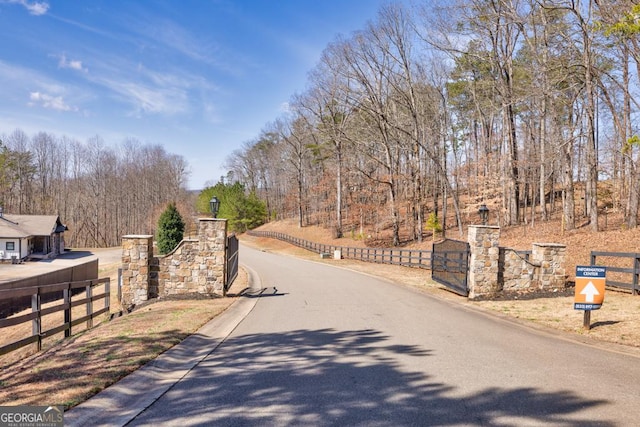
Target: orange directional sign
{"points": [[590, 285]]}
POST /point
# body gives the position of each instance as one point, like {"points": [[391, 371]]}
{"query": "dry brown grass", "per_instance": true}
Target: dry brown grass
{"points": [[50, 321], [69, 371]]}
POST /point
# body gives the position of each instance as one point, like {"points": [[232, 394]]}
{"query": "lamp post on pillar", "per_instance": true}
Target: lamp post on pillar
{"points": [[484, 213], [214, 206]]}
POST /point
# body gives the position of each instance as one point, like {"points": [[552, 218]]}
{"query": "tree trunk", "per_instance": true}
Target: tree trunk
{"points": [[634, 197], [568, 194], [338, 228]]}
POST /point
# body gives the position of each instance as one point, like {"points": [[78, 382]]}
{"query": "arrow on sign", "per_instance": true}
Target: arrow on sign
{"points": [[589, 292]]}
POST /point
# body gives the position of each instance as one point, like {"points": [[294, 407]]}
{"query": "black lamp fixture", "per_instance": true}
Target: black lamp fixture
{"points": [[484, 213], [214, 206]]}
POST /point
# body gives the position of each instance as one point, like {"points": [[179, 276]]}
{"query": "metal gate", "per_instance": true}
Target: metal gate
{"points": [[450, 265], [232, 261]]}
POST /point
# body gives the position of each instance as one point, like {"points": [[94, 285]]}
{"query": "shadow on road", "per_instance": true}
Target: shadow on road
{"points": [[263, 292], [328, 377]]}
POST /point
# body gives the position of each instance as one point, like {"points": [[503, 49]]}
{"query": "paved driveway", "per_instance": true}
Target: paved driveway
{"points": [[106, 257], [326, 346]]}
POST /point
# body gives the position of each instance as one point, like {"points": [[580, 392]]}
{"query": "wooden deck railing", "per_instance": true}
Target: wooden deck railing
{"points": [[64, 304]]}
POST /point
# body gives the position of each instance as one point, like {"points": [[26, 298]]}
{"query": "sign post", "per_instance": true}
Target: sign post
{"points": [[590, 286]]}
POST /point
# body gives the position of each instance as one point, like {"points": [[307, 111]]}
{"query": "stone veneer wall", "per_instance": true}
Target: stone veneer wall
{"points": [[194, 266], [516, 270], [551, 261], [544, 269], [137, 251], [493, 269]]}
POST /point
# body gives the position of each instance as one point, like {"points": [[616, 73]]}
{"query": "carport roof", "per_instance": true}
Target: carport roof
{"points": [[21, 226]]}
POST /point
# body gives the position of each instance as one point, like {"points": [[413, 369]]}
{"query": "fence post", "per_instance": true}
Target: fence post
{"points": [[636, 272], [36, 323], [66, 296], [431, 259], [89, 291], [119, 284], [107, 294]]}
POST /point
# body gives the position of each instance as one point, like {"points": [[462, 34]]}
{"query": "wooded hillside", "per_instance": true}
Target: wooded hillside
{"points": [[101, 193], [526, 106]]}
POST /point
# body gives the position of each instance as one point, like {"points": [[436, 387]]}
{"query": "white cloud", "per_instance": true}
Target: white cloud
{"points": [[36, 8], [49, 101], [174, 38], [148, 99], [43, 91], [285, 107], [13, 78], [72, 64], [150, 91]]}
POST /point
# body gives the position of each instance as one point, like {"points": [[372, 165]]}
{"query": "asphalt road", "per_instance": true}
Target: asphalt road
{"points": [[334, 347]]}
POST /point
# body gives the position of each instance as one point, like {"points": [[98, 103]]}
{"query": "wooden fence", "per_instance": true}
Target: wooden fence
{"points": [[619, 275], [403, 257], [64, 304], [76, 273]]}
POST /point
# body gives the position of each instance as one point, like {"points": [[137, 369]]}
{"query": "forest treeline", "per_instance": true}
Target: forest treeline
{"points": [[100, 192], [525, 105]]}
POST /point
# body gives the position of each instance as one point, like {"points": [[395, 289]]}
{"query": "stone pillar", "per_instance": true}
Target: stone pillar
{"points": [[55, 248], [137, 251], [550, 260], [212, 235], [483, 263]]}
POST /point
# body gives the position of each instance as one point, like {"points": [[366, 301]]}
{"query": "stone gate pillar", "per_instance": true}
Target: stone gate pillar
{"points": [[212, 236], [137, 251], [483, 260]]}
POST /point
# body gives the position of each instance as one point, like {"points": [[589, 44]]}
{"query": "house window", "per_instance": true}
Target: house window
{"points": [[11, 246]]}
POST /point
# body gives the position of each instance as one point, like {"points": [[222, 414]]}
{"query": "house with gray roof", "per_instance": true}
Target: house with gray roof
{"points": [[30, 236]]}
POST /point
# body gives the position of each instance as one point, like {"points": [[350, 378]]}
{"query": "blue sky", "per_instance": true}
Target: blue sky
{"points": [[199, 77]]}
